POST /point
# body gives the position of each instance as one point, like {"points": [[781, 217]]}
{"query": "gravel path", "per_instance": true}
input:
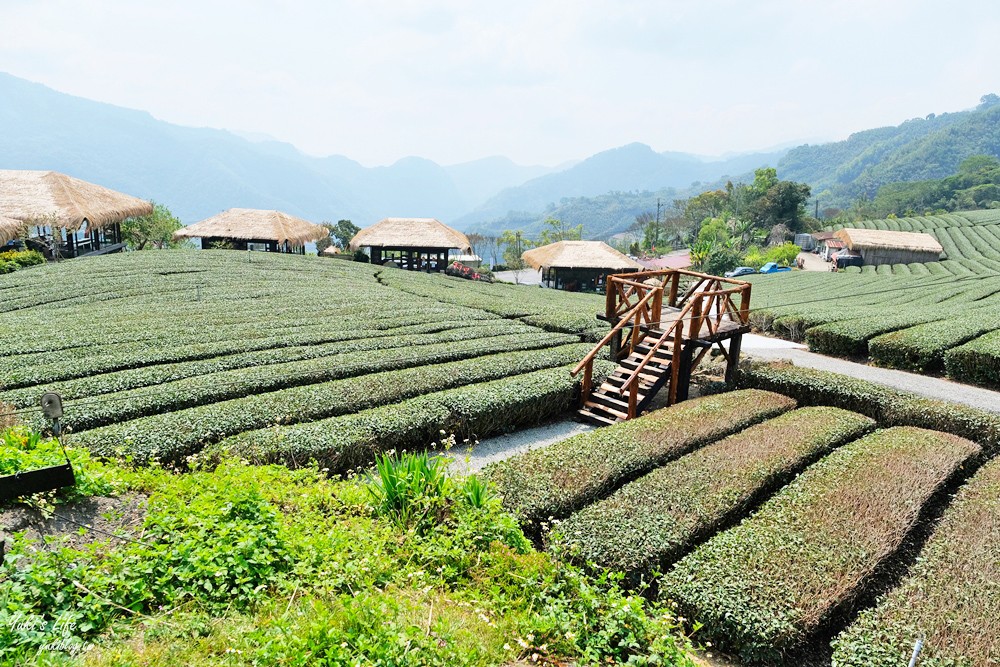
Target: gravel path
{"points": [[763, 347]]}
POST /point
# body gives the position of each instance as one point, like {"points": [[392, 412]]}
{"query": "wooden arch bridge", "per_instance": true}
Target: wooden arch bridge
{"points": [[663, 324]]}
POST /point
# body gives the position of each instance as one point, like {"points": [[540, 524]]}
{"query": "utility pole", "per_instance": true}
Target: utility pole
{"points": [[817, 209]]}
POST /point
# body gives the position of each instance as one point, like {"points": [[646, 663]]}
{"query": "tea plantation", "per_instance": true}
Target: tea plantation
{"points": [[159, 355], [940, 317], [787, 530]]}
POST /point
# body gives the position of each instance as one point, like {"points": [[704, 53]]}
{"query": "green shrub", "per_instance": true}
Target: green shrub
{"points": [[23, 258], [889, 407], [563, 477], [649, 523], [849, 338], [922, 348], [767, 586], [949, 598], [173, 436], [977, 361], [473, 411]]}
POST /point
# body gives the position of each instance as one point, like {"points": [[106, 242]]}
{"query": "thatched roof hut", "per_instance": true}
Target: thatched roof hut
{"points": [[411, 233], [578, 265], [580, 255], [51, 199], [411, 243], [10, 229], [245, 228], [877, 246]]}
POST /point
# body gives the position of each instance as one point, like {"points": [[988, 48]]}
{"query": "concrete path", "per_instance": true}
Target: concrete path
{"points": [[504, 446], [763, 347]]}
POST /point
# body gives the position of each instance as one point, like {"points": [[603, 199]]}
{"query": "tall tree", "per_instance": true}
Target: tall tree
{"points": [[557, 230], [339, 234]]}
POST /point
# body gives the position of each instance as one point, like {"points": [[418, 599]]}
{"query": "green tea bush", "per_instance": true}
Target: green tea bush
{"points": [[922, 348], [173, 436], [556, 480], [977, 361], [475, 411], [889, 407], [767, 586], [949, 598], [849, 338], [23, 258], [649, 523]]}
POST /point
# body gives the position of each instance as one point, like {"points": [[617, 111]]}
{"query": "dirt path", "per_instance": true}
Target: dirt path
{"points": [[763, 347], [814, 262]]}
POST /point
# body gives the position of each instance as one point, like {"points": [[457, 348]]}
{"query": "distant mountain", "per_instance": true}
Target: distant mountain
{"points": [[198, 172], [918, 149], [635, 167]]}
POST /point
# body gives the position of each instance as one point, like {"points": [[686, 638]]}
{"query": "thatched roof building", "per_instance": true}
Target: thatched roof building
{"points": [[51, 199], [412, 243], [67, 216], [10, 229], [578, 265], [253, 229], [878, 246]]}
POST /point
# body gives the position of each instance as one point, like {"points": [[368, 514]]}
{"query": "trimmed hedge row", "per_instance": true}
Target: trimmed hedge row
{"points": [[173, 436], [887, 406], [922, 348], [849, 338], [554, 481], [146, 376], [767, 586], [651, 522], [475, 411], [225, 385], [951, 597], [977, 362]]}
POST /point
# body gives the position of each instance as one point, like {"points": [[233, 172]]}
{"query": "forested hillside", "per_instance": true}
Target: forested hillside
{"points": [[918, 149]]}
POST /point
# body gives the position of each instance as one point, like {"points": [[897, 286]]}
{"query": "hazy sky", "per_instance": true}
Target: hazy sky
{"points": [[539, 81]]}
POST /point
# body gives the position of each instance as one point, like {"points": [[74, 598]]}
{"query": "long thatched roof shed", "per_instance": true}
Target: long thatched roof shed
{"points": [[578, 265], [877, 246], [242, 226], [51, 199], [420, 244]]}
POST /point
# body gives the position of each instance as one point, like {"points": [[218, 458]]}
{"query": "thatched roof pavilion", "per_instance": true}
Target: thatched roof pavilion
{"points": [[578, 265], [420, 244], [254, 229], [60, 206], [877, 246]]}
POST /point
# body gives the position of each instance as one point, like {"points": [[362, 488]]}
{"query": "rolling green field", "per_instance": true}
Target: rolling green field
{"points": [[940, 317], [159, 355]]}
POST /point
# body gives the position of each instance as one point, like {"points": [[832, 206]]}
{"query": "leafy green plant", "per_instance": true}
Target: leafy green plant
{"points": [[409, 488]]}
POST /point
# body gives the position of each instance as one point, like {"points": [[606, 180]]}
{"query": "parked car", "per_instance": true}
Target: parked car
{"points": [[740, 271], [772, 267]]}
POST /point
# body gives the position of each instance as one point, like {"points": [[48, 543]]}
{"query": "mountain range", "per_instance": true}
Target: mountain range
{"points": [[198, 172]]}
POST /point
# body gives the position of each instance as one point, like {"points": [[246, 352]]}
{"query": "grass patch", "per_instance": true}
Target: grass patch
{"points": [[767, 586], [651, 522]]}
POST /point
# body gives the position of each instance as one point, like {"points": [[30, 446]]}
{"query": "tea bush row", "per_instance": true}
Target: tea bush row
{"points": [[767, 586], [173, 436], [977, 361], [887, 406], [651, 522], [226, 385], [922, 348], [475, 411], [554, 481], [950, 597]]}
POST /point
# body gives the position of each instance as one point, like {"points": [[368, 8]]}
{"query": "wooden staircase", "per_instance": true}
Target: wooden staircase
{"points": [[667, 337]]}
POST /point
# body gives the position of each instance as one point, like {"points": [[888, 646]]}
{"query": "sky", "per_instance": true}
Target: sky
{"points": [[541, 82]]}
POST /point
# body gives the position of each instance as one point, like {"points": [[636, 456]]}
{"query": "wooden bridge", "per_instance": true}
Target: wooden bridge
{"points": [[663, 324]]}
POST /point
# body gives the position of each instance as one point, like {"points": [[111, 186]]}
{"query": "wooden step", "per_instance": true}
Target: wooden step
{"points": [[603, 409], [610, 401], [595, 419]]}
